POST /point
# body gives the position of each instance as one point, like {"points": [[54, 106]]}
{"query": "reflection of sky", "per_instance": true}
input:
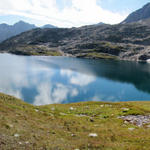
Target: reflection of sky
{"points": [[45, 80]]}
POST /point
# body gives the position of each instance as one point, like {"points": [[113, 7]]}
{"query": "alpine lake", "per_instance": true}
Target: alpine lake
{"points": [[42, 80]]}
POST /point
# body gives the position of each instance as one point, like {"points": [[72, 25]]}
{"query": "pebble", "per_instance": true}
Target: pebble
{"points": [[63, 114], [36, 110], [125, 109], [148, 126], [131, 129], [71, 108], [93, 135], [20, 143], [27, 142], [81, 115], [11, 126], [16, 135], [52, 108], [73, 135], [126, 122]]}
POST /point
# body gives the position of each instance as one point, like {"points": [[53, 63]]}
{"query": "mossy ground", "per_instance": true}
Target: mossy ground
{"points": [[100, 55], [34, 50], [67, 126]]}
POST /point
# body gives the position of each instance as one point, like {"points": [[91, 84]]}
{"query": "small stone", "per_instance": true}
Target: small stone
{"points": [[36, 110], [131, 129], [96, 125], [125, 109], [148, 126], [27, 142], [126, 122], [11, 126], [20, 143], [53, 109], [93, 135], [71, 108], [76, 149], [16, 135], [63, 114], [102, 105], [73, 135]]}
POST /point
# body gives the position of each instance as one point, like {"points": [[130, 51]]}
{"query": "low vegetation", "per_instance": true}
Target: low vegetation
{"points": [[100, 56], [82, 126], [34, 50]]}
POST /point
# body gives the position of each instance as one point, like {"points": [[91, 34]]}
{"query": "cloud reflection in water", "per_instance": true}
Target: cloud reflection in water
{"points": [[48, 80]]}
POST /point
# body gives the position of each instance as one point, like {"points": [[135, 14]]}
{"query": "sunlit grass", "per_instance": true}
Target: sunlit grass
{"points": [[67, 126]]}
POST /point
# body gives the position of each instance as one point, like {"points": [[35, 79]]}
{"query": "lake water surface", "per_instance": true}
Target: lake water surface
{"points": [[43, 80]]}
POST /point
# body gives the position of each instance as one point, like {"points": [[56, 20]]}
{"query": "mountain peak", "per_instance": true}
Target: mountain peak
{"points": [[22, 23], [138, 15], [48, 26]]}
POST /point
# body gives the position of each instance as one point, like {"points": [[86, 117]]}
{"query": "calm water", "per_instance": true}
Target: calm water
{"points": [[47, 80]]}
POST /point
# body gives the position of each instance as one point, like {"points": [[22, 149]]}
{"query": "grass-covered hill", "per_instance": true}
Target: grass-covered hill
{"points": [[79, 126]]}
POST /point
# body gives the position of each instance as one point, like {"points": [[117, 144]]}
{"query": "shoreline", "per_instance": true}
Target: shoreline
{"points": [[92, 58]]}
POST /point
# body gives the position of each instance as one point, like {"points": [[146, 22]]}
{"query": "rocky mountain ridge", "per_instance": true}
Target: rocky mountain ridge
{"points": [[7, 31], [125, 41], [139, 15]]}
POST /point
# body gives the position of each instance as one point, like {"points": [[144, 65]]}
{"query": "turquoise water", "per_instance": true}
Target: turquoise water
{"points": [[43, 80]]}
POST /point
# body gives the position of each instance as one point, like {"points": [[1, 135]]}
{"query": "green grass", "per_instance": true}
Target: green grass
{"points": [[100, 55], [35, 50], [57, 127]]}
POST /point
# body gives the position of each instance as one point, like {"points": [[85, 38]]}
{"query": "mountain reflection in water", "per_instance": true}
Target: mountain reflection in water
{"points": [[47, 80]]}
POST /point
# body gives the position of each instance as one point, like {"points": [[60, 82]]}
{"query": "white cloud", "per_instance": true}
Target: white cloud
{"points": [[78, 78], [81, 12], [49, 95], [82, 80]]}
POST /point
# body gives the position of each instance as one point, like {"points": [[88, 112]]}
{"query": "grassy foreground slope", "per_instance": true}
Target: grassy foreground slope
{"points": [[69, 126]]}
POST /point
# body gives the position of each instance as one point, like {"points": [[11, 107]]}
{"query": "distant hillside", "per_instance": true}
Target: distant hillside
{"points": [[122, 41], [139, 15], [49, 26], [7, 31]]}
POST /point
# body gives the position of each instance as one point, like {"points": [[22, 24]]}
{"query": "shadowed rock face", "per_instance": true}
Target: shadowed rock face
{"points": [[141, 14]]}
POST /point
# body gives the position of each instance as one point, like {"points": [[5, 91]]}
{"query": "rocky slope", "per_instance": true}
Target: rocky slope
{"points": [[139, 15], [126, 41]]}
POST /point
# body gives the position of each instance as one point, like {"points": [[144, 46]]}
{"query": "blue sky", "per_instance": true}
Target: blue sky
{"points": [[122, 5], [67, 13]]}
